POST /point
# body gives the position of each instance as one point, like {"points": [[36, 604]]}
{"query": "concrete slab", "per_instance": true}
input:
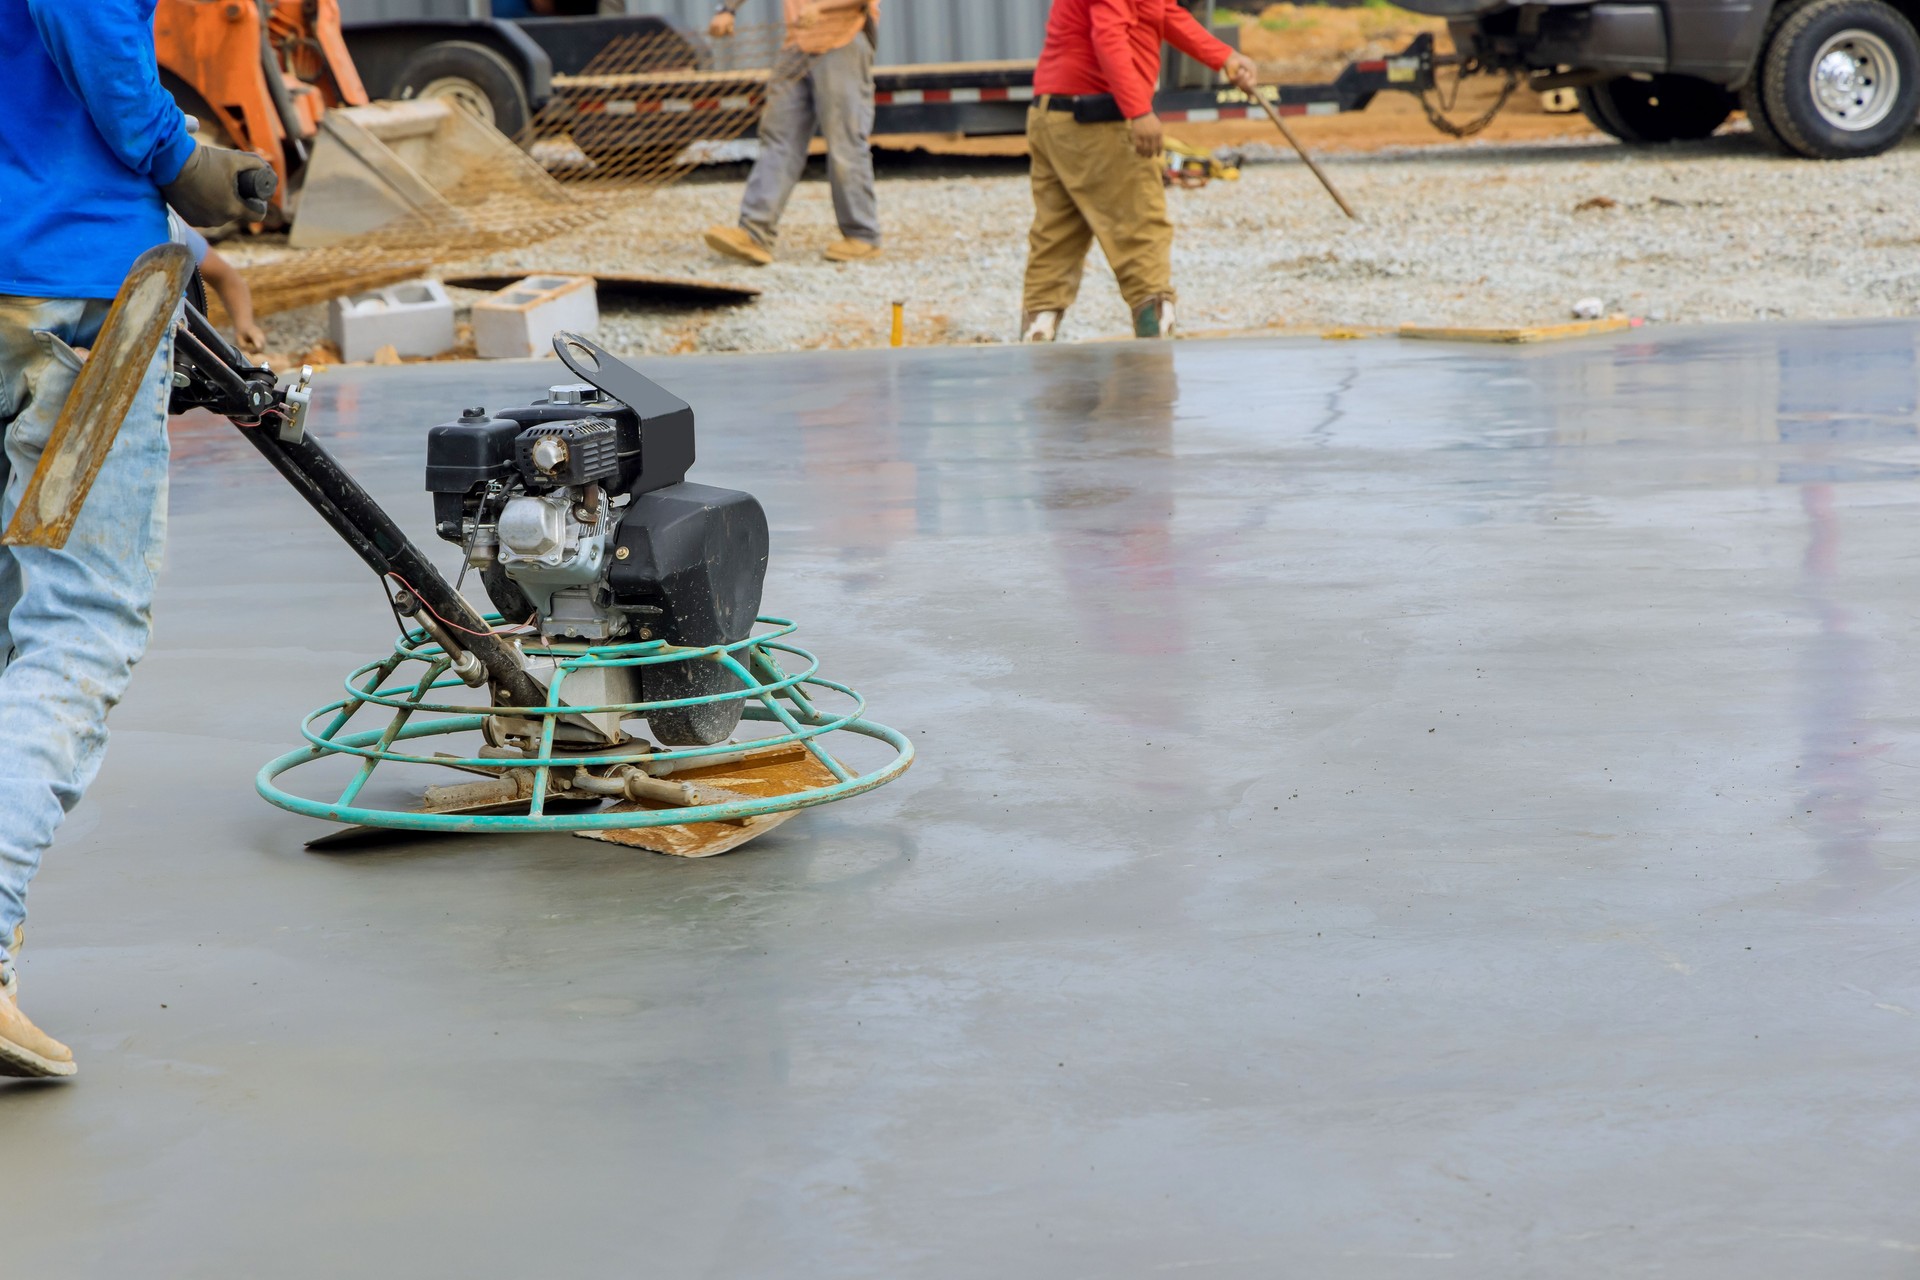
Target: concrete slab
{"points": [[1384, 809]]}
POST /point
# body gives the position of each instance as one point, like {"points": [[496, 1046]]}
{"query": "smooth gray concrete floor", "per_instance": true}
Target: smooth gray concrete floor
{"points": [[1385, 809]]}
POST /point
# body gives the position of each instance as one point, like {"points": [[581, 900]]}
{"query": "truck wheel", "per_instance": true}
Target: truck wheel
{"points": [[472, 75], [1662, 108], [1841, 78], [1599, 113], [1753, 102]]}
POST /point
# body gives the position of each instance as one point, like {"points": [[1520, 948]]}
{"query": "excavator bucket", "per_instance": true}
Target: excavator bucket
{"points": [[423, 163], [102, 394]]}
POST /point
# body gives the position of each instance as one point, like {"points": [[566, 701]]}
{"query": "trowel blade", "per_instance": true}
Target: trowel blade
{"points": [[101, 396], [779, 771]]}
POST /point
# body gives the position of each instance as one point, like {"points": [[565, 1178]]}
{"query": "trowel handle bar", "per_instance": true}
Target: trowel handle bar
{"points": [[258, 184], [366, 528]]}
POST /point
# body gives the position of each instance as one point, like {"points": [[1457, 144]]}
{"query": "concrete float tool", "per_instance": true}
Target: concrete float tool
{"points": [[625, 595]]}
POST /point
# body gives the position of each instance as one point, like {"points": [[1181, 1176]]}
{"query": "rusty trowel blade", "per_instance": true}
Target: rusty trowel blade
{"points": [[778, 771], [101, 396]]}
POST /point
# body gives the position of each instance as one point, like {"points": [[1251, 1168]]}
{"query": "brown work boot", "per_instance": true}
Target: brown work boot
{"points": [[26, 1052], [852, 251], [735, 243]]}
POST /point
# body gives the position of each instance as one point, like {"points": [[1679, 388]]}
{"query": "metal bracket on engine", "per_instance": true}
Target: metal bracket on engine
{"points": [[666, 421]]}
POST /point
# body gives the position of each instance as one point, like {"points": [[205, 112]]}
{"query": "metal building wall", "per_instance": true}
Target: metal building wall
{"points": [[381, 10], [911, 31]]}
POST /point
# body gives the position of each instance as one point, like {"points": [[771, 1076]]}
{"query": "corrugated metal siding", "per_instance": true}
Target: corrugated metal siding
{"points": [[911, 31], [381, 10]]}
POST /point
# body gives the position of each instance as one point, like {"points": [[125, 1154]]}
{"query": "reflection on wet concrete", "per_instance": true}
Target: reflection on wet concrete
{"points": [[1381, 804]]}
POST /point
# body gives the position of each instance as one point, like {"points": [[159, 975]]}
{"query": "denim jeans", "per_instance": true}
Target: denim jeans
{"points": [[72, 622], [832, 91]]}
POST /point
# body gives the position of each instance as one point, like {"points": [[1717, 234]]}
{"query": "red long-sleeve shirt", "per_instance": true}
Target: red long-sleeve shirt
{"points": [[1113, 46]]}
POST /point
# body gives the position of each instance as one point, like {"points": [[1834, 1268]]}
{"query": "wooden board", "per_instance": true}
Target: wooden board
{"points": [[627, 286], [1530, 333]]}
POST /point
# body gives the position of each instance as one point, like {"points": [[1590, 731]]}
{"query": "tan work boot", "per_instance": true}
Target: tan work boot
{"points": [[735, 243], [26, 1052], [1040, 326], [9, 976], [852, 251]]}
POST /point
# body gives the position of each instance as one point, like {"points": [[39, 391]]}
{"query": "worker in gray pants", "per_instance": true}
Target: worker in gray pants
{"points": [[823, 78]]}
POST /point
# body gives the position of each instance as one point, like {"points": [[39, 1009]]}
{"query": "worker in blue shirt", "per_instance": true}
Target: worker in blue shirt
{"points": [[92, 154]]}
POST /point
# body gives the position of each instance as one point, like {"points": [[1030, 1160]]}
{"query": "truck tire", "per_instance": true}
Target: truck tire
{"points": [[1841, 78], [1661, 108], [1599, 113], [1754, 104], [472, 75]]}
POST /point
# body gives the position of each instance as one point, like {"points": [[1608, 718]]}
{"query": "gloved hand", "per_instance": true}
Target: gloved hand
{"points": [[207, 193]]}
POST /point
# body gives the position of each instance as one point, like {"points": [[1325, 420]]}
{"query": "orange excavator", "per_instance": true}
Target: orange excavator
{"points": [[259, 75]]}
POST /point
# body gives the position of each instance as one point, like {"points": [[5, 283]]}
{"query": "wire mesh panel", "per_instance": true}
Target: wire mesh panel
{"points": [[650, 107]]}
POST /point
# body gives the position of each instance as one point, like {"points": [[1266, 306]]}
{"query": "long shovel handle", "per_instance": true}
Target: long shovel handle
{"points": [[1325, 181]]}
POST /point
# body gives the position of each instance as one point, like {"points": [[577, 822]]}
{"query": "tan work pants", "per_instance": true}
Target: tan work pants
{"points": [[1088, 184]]}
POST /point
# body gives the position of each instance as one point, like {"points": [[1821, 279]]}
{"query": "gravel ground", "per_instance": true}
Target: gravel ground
{"points": [[1457, 235]]}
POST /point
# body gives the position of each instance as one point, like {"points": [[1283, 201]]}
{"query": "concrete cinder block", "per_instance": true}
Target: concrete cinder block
{"points": [[414, 318], [521, 319]]}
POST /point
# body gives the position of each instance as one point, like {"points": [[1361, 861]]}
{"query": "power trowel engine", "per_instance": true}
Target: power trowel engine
{"points": [[577, 516]]}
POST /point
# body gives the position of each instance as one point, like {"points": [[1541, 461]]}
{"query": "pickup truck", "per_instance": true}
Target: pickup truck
{"points": [[1827, 79]]}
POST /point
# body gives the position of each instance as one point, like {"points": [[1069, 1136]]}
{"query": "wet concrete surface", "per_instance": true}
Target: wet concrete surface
{"points": [[1385, 809]]}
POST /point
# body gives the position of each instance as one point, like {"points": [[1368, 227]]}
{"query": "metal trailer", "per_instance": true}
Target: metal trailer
{"points": [[945, 67]]}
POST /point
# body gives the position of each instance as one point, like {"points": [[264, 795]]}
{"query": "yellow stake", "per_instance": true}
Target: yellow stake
{"points": [[899, 324]]}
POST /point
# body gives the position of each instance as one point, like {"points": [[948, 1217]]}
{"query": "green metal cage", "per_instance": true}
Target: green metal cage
{"points": [[779, 686]]}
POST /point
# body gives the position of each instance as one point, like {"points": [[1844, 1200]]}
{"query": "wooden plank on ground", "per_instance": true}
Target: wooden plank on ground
{"points": [[1528, 333], [625, 286]]}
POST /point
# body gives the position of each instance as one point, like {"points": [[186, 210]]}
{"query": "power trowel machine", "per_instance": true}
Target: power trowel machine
{"points": [[624, 688]]}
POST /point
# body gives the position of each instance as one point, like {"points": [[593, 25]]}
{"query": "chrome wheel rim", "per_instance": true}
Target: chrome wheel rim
{"points": [[465, 92], [1855, 80]]}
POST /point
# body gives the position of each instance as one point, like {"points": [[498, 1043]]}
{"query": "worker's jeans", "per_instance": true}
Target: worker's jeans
{"points": [[1089, 184], [834, 92], [72, 622]]}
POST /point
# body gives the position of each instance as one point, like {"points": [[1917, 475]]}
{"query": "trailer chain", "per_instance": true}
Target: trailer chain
{"points": [[1434, 105]]}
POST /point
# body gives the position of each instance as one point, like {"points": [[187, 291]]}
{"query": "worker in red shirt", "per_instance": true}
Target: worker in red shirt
{"points": [[1096, 146]]}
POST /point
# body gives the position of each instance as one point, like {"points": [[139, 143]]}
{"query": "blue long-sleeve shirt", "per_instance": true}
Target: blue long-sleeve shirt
{"points": [[87, 139]]}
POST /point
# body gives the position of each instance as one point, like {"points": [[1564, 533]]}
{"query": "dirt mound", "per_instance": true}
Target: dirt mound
{"points": [[1304, 42]]}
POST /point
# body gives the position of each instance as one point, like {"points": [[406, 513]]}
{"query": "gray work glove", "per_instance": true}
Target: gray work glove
{"points": [[213, 188]]}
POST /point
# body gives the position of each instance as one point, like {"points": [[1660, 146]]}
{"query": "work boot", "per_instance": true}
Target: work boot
{"points": [[9, 974], [852, 251], [26, 1052], [735, 243], [1040, 326], [1154, 319]]}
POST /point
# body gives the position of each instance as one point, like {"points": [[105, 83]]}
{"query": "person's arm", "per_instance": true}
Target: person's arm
{"points": [[104, 52], [814, 10], [1112, 23], [225, 279], [1185, 33], [722, 25]]}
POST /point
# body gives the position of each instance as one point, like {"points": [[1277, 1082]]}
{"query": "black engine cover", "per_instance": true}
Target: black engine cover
{"points": [[690, 565]]}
